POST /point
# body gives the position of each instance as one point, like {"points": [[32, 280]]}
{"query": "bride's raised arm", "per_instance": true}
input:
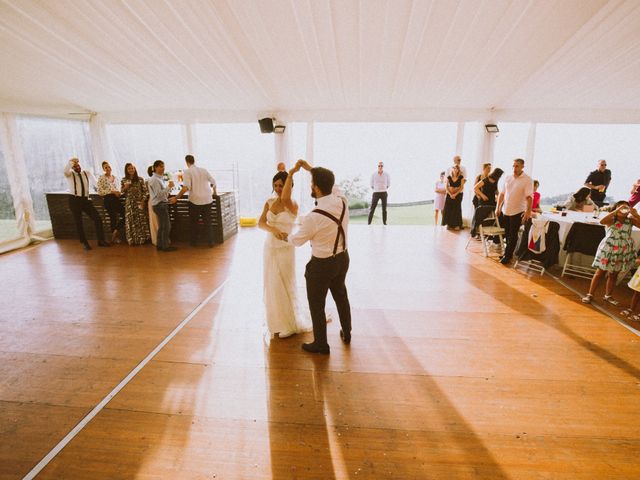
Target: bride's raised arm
{"points": [[285, 198]]}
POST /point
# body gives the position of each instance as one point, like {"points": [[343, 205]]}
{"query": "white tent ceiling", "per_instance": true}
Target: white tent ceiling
{"points": [[331, 59]]}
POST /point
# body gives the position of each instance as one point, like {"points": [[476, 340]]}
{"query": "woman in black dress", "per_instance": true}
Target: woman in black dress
{"points": [[487, 193], [452, 214], [487, 189]]}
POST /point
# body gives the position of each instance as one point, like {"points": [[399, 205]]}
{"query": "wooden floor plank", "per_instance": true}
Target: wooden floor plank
{"points": [[459, 368]]}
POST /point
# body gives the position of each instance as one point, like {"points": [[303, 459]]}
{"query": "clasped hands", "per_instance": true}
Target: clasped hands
{"points": [[281, 236], [300, 164]]}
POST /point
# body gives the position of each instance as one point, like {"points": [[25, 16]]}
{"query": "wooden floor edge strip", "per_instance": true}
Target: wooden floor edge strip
{"points": [[83, 423], [596, 306]]}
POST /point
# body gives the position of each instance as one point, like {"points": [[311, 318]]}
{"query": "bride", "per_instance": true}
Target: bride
{"points": [[285, 317]]}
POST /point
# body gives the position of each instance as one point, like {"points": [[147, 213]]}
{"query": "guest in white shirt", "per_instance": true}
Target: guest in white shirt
{"points": [[457, 161], [380, 183], [326, 227], [198, 182], [515, 202], [79, 182], [159, 199], [109, 190]]}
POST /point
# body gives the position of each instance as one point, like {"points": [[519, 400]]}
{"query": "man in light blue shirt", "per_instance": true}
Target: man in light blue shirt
{"points": [[159, 198]]}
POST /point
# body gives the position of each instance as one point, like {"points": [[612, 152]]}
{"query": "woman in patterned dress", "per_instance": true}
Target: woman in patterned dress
{"points": [[616, 252], [135, 206]]}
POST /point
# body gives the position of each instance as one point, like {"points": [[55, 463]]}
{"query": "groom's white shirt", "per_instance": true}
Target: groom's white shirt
{"points": [[320, 230]]}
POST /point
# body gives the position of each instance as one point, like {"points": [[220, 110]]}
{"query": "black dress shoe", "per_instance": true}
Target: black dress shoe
{"points": [[313, 348], [102, 243], [346, 337], [86, 246], [169, 249], [505, 261]]}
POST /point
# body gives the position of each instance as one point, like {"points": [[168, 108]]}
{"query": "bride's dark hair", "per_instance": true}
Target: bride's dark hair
{"points": [[281, 176]]}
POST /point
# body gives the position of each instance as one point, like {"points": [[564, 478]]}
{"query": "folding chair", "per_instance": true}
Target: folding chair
{"points": [[488, 229], [582, 238], [538, 262]]}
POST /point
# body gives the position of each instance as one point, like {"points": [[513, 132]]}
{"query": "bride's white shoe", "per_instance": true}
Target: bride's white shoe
{"points": [[286, 335]]}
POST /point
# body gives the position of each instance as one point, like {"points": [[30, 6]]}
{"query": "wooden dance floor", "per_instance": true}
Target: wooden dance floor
{"points": [[459, 368]]}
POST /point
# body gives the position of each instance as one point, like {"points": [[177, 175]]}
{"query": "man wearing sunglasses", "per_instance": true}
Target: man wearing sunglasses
{"points": [[380, 183]]}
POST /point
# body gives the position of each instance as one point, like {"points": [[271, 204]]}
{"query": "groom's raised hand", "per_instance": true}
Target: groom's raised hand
{"points": [[303, 164]]}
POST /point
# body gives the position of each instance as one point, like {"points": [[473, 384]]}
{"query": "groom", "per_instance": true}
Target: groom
{"points": [[326, 228]]}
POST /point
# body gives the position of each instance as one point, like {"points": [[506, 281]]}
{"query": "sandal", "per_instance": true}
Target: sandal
{"points": [[609, 299], [587, 298]]}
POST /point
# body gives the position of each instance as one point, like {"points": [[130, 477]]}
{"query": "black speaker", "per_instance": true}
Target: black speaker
{"points": [[266, 125]]}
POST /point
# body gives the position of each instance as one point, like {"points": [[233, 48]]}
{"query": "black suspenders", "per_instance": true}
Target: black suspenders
{"points": [[340, 229]]}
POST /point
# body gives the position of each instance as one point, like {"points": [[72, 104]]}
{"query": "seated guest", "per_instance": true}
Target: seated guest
{"points": [[598, 181], [487, 189], [580, 201], [535, 207], [635, 194]]}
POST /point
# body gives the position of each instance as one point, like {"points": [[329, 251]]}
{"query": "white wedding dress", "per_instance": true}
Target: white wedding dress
{"points": [[284, 313]]}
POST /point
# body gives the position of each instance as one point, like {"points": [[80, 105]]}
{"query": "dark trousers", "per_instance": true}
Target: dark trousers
{"points": [[374, 203], [83, 204], [323, 274], [115, 209], [195, 212], [164, 225], [511, 224]]}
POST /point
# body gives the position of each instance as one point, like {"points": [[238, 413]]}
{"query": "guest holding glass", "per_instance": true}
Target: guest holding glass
{"points": [[153, 218], [136, 220], [616, 252], [452, 214], [159, 198], [441, 194], [580, 201], [109, 191]]}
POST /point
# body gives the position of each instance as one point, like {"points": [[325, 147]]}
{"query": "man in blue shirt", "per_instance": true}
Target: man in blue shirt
{"points": [[159, 198]]}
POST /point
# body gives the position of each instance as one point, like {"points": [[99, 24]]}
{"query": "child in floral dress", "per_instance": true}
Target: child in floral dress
{"points": [[634, 284], [616, 252]]}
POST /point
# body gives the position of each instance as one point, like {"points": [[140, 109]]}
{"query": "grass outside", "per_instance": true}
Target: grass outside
{"points": [[406, 215]]}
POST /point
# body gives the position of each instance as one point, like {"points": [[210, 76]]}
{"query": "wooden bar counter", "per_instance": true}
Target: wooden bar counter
{"points": [[224, 218]]}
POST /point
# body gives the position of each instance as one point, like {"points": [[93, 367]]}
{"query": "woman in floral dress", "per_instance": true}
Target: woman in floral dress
{"points": [[135, 206], [616, 252]]}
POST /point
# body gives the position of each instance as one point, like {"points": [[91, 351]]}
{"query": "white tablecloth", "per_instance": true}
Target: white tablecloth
{"points": [[569, 219]]}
